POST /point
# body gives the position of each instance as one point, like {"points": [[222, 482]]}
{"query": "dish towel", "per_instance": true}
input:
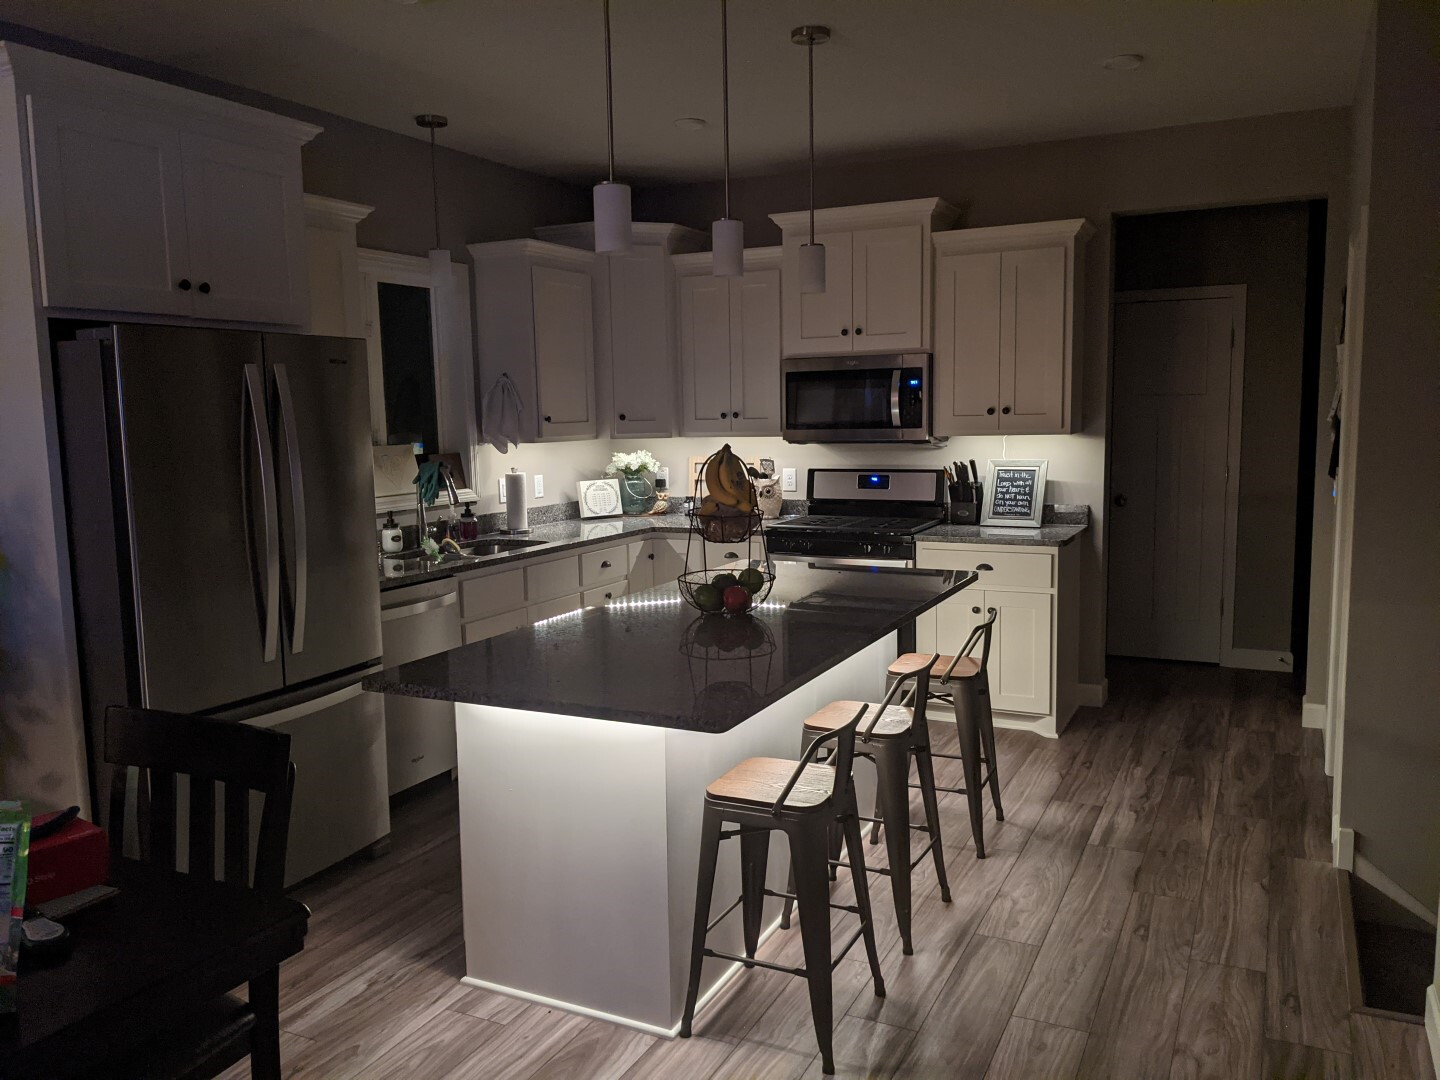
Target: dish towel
{"points": [[500, 415]]}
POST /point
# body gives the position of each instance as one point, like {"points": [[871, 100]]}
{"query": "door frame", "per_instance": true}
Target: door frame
{"points": [[1230, 656]]}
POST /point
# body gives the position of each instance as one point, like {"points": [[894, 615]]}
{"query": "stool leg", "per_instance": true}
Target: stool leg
{"points": [[704, 887], [925, 767], [892, 769], [806, 738], [875, 825], [809, 841], [850, 825], [987, 732], [754, 859], [967, 725]]}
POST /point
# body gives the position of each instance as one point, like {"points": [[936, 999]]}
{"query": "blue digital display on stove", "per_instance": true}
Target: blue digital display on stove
{"points": [[874, 482]]}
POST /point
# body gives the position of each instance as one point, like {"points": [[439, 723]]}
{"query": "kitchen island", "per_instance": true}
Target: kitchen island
{"points": [[585, 744]]}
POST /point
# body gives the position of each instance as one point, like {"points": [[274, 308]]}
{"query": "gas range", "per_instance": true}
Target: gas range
{"points": [[861, 517]]}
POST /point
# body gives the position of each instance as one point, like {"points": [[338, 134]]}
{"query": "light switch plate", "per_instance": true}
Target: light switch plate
{"points": [[787, 479], [501, 482], [539, 486]]}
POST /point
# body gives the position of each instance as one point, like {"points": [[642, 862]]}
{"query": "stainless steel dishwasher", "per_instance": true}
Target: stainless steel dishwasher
{"points": [[418, 621]]}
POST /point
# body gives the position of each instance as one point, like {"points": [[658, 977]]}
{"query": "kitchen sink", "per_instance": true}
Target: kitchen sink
{"points": [[496, 545], [413, 560]]}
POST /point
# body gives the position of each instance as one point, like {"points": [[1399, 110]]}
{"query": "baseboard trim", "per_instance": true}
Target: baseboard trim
{"points": [[1312, 714], [1257, 659], [1092, 694], [1372, 875], [1342, 844], [1432, 1024]]}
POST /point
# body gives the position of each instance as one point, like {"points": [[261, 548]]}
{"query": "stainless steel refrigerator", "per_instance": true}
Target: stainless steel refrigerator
{"points": [[220, 502]]}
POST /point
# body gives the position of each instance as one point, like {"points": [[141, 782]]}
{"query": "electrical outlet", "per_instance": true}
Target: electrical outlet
{"points": [[664, 474], [787, 479], [502, 490], [539, 486]]}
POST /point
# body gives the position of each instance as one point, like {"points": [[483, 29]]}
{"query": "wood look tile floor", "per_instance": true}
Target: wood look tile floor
{"points": [[1157, 904]]}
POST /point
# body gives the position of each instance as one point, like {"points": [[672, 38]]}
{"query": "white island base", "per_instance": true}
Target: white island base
{"points": [[579, 842]]}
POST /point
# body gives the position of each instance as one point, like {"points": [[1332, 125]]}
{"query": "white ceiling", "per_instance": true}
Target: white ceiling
{"points": [[523, 80]]}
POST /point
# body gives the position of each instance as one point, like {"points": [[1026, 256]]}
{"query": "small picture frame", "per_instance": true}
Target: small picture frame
{"points": [[1015, 492]]}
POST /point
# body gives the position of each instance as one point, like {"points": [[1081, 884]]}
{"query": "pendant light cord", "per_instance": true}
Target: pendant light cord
{"points": [[725, 95], [434, 189], [609, 99], [810, 62]]}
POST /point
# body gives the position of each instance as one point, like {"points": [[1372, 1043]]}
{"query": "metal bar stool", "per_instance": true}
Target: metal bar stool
{"points": [[803, 800], [964, 685], [890, 736]]}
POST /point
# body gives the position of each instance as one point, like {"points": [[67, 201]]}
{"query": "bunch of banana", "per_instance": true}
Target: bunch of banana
{"points": [[728, 485]]}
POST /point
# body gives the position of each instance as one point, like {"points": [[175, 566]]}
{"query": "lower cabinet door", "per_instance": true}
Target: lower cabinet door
{"points": [[669, 561], [642, 566], [1020, 653]]}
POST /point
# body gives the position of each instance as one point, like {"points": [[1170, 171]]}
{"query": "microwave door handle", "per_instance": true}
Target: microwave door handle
{"points": [[255, 394], [895, 398], [300, 581]]}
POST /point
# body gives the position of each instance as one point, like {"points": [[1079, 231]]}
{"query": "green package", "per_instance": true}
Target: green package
{"points": [[14, 860]]}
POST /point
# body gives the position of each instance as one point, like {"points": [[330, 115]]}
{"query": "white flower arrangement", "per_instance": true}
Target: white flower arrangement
{"points": [[641, 461]]}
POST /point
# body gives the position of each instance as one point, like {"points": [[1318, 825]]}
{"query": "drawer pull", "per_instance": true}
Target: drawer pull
{"points": [[651, 556], [975, 610], [609, 595], [984, 566], [605, 565]]}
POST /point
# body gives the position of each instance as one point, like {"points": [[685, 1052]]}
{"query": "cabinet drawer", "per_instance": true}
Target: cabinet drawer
{"points": [[492, 594], [1008, 569], [717, 555], [552, 579], [562, 605], [503, 623], [603, 595], [606, 564]]}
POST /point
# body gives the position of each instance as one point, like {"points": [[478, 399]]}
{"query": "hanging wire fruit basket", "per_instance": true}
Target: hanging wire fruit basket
{"points": [[726, 513]]}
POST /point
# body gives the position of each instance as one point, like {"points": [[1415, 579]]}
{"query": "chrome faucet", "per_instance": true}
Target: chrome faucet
{"points": [[422, 528]]}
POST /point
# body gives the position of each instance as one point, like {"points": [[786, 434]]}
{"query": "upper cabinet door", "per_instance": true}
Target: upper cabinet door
{"points": [[755, 353], [642, 377], [967, 343], [564, 352], [111, 210], [888, 281], [817, 324], [1032, 340], [245, 212], [706, 354]]}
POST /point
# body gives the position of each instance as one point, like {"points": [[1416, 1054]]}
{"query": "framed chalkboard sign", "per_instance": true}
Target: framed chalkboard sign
{"points": [[1014, 493]]}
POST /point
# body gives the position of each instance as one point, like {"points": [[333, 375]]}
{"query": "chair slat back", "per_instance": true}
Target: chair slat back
{"points": [[162, 746], [979, 633]]}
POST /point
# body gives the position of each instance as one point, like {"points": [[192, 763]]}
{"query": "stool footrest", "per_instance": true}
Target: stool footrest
{"points": [[721, 917], [834, 963], [924, 852], [719, 955]]}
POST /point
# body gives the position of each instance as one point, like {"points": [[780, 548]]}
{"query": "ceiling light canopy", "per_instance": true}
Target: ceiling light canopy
{"points": [[1123, 61], [612, 200]]}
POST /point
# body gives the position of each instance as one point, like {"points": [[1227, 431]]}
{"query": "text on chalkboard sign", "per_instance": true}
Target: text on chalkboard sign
{"points": [[1014, 493]]}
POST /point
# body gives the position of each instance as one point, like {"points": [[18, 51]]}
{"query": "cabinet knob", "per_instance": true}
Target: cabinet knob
{"points": [[605, 565], [859, 330], [204, 286], [984, 566], [651, 556], [1120, 500], [609, 595], [1006, 410], [844, 331], [724, 416], [735, 415], [622, 416], [975, 610], [183, 284], [547, 419], [990, 411]]}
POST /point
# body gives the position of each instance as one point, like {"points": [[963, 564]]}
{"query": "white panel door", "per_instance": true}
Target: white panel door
{"points": [[244, 208], [818, 324], [1020, 652], [111, 204], [1032, 340], [564, 352], [705, 354], [1168, 468], [967, 344], [755, 353], [642, 380], [669, 561], [888, 278]]}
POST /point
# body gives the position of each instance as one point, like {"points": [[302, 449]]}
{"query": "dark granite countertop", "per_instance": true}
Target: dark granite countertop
{"points": [[650, 658]]}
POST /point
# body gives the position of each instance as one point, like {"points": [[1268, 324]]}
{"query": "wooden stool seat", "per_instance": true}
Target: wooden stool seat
{"points": [[760, 780], [894, 722], [967, 668]]}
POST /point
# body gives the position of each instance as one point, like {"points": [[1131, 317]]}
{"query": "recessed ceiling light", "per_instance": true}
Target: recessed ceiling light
{"points": [[1123, 62], [691, 123]]}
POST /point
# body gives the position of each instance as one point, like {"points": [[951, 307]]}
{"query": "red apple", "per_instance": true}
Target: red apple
{"points": [[736, 599]]}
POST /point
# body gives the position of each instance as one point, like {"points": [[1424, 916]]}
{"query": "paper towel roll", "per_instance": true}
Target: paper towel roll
{"points": [[517, 518]]}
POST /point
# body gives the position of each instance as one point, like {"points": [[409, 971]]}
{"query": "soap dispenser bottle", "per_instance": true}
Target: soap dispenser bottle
{"points": [[468, 526], [391, 538]]}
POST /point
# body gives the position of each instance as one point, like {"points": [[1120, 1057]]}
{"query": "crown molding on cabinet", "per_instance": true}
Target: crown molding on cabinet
{"points": [[323, 212], [675, 239], [984, 239], [940, 213], [762, 258]]}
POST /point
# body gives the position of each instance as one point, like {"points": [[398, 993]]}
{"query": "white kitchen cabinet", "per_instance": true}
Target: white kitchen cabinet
{"points": [[634, 324], [1007, 331], [533, 314], [155, 200], [602, 594], [877, 278], [669, 558], [561, 605], [332, 260], [729, 334]]}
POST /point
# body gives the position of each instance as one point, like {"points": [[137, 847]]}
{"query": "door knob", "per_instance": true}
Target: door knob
{"points": [[724, 416], [735, 415], [990, 411], [547, 419], [1120, 500], [975, 610], [859, 330], [183, 284], [622, 416], [1006, 410], [204, 286], [844, 331]]}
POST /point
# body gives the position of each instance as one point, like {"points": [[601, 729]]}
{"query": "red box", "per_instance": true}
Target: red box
{"points": [[75, 858]]}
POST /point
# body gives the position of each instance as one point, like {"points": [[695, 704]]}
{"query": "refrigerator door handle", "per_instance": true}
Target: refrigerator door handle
{"points": [[255, 397], [300, 579]]}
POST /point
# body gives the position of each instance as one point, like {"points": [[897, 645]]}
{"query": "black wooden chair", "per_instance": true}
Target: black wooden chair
{"points": [[215, 1034]]}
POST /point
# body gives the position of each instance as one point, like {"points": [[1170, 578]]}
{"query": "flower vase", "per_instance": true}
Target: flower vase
{"points": [[637, 493]]}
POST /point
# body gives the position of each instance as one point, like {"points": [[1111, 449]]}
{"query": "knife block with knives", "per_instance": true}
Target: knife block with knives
{"points": [[964, 487]]}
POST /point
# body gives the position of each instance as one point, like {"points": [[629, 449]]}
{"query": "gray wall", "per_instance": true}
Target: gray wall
{"points": [[1389, 787], [1265, 249], [1287, 157]]}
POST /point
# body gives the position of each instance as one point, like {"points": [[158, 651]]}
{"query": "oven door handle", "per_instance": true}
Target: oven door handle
{"points": [[895, 398], [835, 562]]}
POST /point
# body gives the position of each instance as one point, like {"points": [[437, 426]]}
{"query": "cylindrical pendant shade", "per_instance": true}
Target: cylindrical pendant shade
{"points": [[812, 268], [612, 217], [727, 247]]}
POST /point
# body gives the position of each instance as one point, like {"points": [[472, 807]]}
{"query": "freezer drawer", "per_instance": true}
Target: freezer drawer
{"points": [[417, 622]]}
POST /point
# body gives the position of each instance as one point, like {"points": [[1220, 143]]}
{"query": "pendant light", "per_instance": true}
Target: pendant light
{"points": [[612, 200], [439, 256], [727, 236], [812, 255]]}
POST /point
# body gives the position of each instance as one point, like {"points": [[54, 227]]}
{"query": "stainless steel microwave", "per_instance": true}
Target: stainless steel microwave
{"points": [[857, 399]]}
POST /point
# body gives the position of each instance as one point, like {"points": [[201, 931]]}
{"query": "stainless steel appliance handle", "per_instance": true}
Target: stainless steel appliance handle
{"points": [[835, 563], [404, 611], [255, 394], [895, 398], [299, 581]]}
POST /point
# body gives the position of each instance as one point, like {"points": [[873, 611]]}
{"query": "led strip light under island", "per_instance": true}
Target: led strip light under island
{"points": [[585, 746]]}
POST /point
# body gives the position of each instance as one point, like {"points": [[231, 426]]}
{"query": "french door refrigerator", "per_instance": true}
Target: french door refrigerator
{"points": [[220, 502]]}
